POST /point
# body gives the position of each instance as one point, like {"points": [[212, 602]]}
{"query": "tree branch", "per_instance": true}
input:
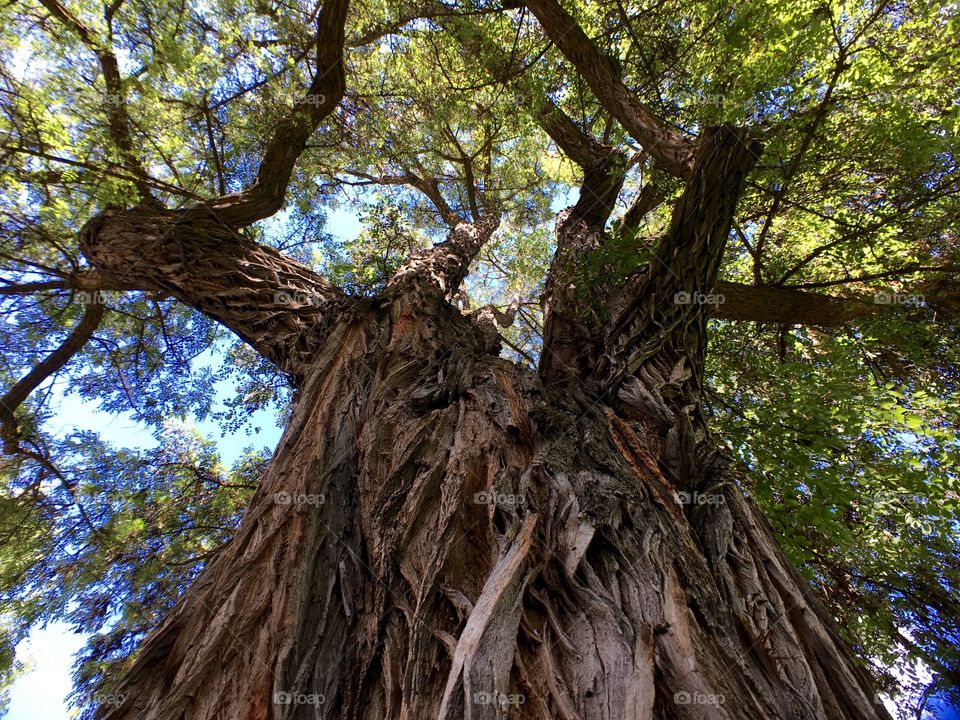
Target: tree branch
{"points": [[446, 264], [574, 142], [116, 99], [673, 152], [9, 432], [265, 196], [660, 319], [428, 186], [647, 199], [570, 298], [785, 184], [787, 306], [279, 307]]}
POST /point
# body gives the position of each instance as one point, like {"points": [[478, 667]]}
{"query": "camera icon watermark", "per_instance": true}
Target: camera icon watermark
{"points": [[110, 699], [294, 99], [522, 98], [298, 299], [90, 297], [699, 98]]}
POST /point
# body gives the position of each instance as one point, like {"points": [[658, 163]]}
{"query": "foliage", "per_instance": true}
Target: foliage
{"points": [[849, 433]]}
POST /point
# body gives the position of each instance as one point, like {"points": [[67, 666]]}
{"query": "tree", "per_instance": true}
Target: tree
{"points": [[446, 529]]}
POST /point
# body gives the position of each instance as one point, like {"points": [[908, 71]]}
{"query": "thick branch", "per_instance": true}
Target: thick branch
{"points": [[665, 144], [574, 142], [265, 196], [431, 188], [786, 306], [446, 264], [281, 308], [9, 433], [428, 186], [572, 296], [664, 324], [88, 280], [647, 199]]}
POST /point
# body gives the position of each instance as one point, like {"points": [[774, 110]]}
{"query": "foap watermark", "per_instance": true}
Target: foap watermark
{"points": [[298, 299], [698, 498], [883, 97], [699, 98], [110, 699], [298, 698], [90, 297], [291, 99], [523, 98], [285, 498], [698, 698], [493, 498], [698, 298], [498, 698], [891, 298]]}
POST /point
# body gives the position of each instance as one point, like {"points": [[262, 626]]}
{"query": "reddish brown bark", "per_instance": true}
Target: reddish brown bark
{"points": [[442, 534], [485, 547]]}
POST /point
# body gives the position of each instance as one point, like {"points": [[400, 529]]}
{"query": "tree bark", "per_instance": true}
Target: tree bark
{"points": [[439, 535], [444, 534], [279, 307]]}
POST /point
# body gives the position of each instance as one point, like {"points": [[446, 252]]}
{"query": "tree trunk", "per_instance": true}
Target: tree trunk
{"points": [[440, 535]]}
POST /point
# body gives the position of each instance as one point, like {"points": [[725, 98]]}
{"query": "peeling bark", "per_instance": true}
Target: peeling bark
{"points": [[445, 534]]}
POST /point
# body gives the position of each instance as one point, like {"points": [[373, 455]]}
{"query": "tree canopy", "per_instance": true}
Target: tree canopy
{"points": [[832, 366]]}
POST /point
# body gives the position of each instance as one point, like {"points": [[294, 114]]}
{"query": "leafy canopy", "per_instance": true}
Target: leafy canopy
{"points": [[849, 430]]}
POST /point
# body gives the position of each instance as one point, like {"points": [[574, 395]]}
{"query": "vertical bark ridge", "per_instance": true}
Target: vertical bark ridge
{"points": [[280, 596]]}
